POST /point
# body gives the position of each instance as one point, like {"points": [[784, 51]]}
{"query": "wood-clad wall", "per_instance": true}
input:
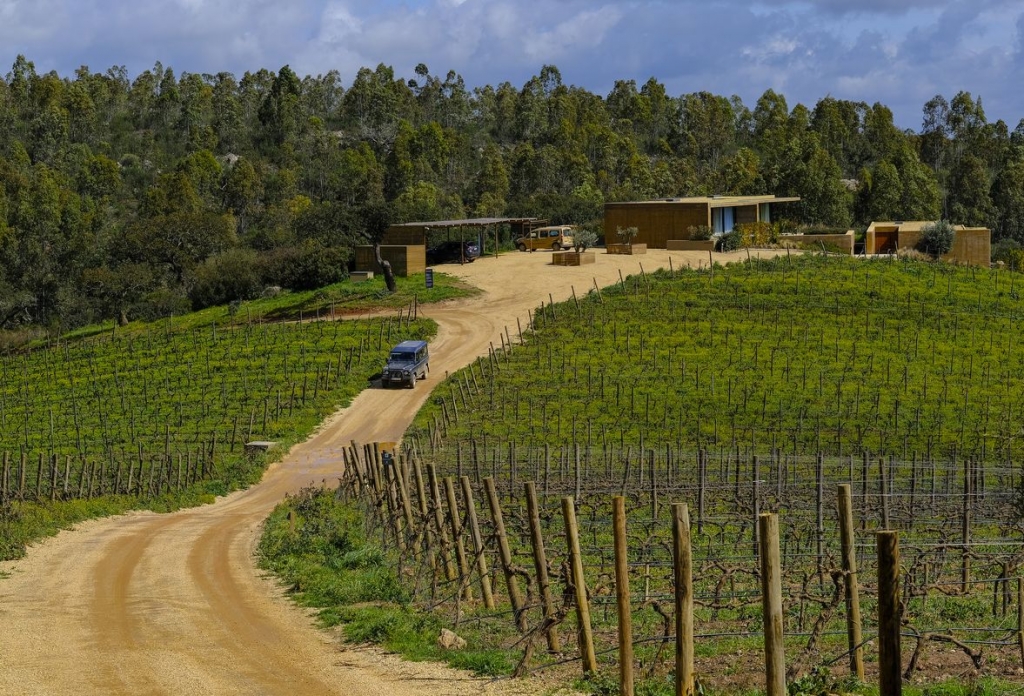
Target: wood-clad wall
{"points": [[405, 260], [656, 222]]}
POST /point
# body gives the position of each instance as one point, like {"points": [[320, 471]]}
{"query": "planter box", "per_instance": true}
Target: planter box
{"points": [[628, 249], [690, 245], [571, 258], [814, 241]]}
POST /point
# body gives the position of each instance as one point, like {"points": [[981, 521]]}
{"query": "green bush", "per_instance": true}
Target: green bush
{"points": [[162, 303], [1009, 252], [700, 233], [821, 229], [230, 275], [936, 238], [626, 235], [583, 238], [730, 241], [305, 267]]}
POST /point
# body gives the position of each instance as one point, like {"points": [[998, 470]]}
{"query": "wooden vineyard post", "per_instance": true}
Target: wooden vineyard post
{"points": [[478, 544], [403, 491], [393, 520], [965, 530], [586, 636], [514, 595], [702, 475], [819, 476], [21, 476], [889, 663], [683, 575], [883, 484], [540, 564], [853, 625], [39, 477], [435, 494], [755, 502], [622, 599], [5, 482], [771, 604], [460, 549], [1020, 618], [421, 494]]}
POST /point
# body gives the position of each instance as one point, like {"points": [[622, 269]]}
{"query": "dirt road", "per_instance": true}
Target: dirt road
{"points": [[172, 604]]}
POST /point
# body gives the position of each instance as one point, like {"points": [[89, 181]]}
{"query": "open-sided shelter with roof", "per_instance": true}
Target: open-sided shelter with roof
{"points": [[405, 245]]}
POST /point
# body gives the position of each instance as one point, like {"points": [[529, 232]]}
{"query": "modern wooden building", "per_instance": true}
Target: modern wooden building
{"points": [[671, 218], [972, 246]]}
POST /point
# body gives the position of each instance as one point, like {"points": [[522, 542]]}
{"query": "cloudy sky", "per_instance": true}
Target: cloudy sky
{"points": [[898, 52]]}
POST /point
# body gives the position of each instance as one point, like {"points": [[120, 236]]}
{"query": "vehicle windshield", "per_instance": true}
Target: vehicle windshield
{"points": [[401, 356]]}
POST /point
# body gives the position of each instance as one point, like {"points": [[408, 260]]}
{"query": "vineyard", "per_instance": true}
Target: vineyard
{"points": [[804, 355], [764, 387], [154, 416]]}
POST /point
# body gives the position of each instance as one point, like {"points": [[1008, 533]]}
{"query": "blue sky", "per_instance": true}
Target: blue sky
{"points": [[897, 52]]}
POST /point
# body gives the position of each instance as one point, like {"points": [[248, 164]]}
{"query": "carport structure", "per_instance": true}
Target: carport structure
{"points": [[418, 233]]}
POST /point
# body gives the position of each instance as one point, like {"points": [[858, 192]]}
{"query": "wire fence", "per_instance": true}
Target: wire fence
{"points": [[484, 536]]}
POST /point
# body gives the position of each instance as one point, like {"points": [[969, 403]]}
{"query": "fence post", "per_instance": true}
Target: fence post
{"points": [[435, 494], [883, 485], [478, 544], [460, 549], [965, 529], [683, 572], [514, 595], [849, 553], [889, 664], [540, 563], [1020, 618], [771, 605], [586, 636], [403, 491], [391, 502], [702, 475], [819, 476], [622, 599]]}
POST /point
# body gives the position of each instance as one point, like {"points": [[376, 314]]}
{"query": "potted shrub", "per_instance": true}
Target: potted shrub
{"points": [[582, 239], [626, 236], [700, 239]]}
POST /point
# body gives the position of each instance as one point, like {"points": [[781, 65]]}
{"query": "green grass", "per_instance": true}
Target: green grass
{"points": [[346, 298], [318, 547]]}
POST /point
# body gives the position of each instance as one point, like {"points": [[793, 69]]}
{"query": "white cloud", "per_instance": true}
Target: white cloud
{"points": [[873, 50]]}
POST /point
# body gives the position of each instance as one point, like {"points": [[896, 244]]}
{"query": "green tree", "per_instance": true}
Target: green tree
{"points": [[1008, 201], [937, 238], [969, 200], [279, 111]]}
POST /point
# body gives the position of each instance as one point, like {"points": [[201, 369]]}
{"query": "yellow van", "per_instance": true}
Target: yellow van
{"points": [[556, 238]]}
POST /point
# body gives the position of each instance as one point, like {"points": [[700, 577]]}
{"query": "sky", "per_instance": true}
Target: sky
{"points": [[900, 53]]}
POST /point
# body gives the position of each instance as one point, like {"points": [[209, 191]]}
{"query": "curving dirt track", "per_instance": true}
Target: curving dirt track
{"points": [[172, 604]]}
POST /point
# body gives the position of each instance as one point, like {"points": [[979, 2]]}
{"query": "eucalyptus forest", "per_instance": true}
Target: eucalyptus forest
{"points": [[146, 196]]}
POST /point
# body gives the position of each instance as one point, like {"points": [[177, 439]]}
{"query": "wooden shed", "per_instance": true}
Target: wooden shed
{"points": [[405, 259], [659, 221]]}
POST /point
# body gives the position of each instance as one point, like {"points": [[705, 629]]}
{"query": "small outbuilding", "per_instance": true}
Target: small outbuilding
{"points": [[972, 246], [405, 245]]}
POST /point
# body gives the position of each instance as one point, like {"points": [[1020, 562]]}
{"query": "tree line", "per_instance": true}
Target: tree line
{"points": [[134, 198]]}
